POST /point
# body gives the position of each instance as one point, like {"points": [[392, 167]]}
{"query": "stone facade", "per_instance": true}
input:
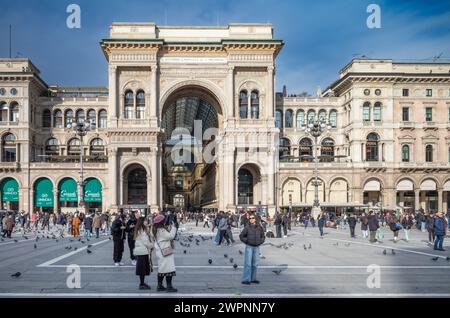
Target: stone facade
{"points": [[387, 149]]}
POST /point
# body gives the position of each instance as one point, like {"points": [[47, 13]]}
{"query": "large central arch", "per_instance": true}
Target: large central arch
{"points": [[191, 177]]}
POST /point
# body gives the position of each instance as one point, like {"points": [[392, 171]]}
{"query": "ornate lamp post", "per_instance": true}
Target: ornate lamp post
{"points": [[81, 128], [315, 128]]}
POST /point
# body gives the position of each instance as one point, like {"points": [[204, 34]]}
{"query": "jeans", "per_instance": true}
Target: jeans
{"points": [[217, 238], [439, 242], [97, 232], [278, 230], [406, 234], [87, 233], [422, 226], [321, 230], [372, 236], [251, 260], [431, 236], [365, 233], [352, 231]]}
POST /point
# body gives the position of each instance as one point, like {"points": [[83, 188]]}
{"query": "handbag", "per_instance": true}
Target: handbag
{"points": [[166, 251]]}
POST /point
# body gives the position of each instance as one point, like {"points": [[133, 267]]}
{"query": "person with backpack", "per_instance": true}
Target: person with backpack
{"points": [[395, 226], [429, 221]]}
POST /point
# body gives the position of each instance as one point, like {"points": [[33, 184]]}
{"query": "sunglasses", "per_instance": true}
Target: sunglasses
{"points": [[252, 218]]}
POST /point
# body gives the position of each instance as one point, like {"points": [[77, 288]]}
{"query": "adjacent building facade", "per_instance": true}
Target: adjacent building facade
{"points": [[191, 119]]}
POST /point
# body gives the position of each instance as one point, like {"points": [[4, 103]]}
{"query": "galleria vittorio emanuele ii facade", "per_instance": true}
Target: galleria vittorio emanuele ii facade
{"points": [[179, 95]]}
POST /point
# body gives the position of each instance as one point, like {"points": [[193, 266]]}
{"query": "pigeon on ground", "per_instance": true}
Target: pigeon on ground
{"points": [[304, 247], [35, 246], [277, 272], [310, 246], [79, 240], [435, 259], [384, 252], [75, 248], [15, 241], [263, 257], [448, 258], [16, 274], [184, 252], [235, 266], [70, 240], [225, 255], [393, 252], [57, 241], [25, 237], [231, 260], [2, 239], [210, 261], [82, 242], [337, 244], [89, 251], [240, 252], [89, 245]]}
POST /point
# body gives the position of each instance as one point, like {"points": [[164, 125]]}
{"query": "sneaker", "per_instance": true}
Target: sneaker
{"points": [[144, 286], [246, 283], [116, 264], [255, 281], [161, 288], [133, 263], [171, 290], [121, 264]]}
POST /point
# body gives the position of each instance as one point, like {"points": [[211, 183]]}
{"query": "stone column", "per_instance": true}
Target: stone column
{"points": [[154, 96], [113, 95], [55, 200], [154, 167], [440, 196], [149, 190], [445, 203], [231, 90], [417, 199], [112, 176], [270, 104]]}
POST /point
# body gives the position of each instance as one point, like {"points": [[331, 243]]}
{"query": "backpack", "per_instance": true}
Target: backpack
{"points": [[398, 225]]}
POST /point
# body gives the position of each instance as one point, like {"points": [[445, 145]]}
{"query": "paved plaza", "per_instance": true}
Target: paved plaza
{"points": [[335, 265]]}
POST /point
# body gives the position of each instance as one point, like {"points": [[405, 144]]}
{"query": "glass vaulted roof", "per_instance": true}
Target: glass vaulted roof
{"points": [[184, 111]]}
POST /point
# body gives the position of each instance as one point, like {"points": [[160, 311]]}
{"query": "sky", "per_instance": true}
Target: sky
{"points": [[320, 36]]}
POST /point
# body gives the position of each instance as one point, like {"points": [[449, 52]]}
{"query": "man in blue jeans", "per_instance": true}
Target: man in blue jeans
{"points": [[252, 236], [439, 228]]}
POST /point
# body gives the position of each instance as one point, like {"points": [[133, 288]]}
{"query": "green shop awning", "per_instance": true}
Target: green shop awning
{"points": [[92, 191], [10, 190], [68, 191], [43, 193]]}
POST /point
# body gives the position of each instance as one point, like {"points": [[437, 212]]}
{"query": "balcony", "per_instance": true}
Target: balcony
{"points": [[448, 125], [73, 159], [9, 166], [129, 123], [430, 125], [404, 125], [9, 123]]}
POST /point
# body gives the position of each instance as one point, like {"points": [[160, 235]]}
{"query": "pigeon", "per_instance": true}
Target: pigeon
{"points": [[89, 245], [15, 241], [35, 246], [263, 257], [277, 272], [70, 240], [310, 246], [79, 240], [89, 251], [75, 248], [210, 261], [69, 248], [393, 252], [57, 241], [225, 255], [2, 239], [337, 244], [384, 252], [109, 238], [231, 260], [88, 239], [235, 266], [16, 274], [435, 259], [184, 252], [82, 242], [448, 258], [25, 237], [304, 247]]}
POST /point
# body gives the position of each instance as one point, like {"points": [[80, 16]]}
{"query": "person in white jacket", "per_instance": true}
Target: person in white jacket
{"points": [[163, 237], [143, 251]]}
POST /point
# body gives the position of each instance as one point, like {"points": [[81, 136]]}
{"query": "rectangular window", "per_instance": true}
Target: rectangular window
{"points": [[428, 114], [405, 92], [429, 92], [377, 113], [405, 113], [366, 113]]}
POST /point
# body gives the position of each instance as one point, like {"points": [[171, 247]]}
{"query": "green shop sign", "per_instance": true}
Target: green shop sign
{"points": [[10, 190], [68, 191], [93, 191], [43, 193]]}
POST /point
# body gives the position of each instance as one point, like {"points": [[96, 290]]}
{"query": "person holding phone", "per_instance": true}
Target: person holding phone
{"points": [[118, 233]]}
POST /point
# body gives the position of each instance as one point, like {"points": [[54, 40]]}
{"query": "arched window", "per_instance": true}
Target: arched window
{"points": [[300, 118], [243, 104], [80, 117], [74, 148], [327, 150], [311, 116], [4, 112], [366, 111], [288, 119], [179, 182], [323, 115], [129, 104], [279, 119], [245, 187], [372, 147], [377, 111], [46, 118], [305, 150], [9, 148], [140, 105], [284, 148], [52, 147], [405, 153], [57, 119], [97, 147], [255, 105], [429, 153], [91, 117], [102, 119], [333, 118], [69, 117], [15, 112]]}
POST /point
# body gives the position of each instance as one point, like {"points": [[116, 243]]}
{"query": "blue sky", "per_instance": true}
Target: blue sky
{"points": [[320, 36]]}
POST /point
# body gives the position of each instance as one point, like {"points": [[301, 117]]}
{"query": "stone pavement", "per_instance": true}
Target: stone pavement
{"points": [[335, 265]]}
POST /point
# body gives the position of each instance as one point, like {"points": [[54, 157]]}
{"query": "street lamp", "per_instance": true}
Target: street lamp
{"points": [[81, 128], [315, 128]]}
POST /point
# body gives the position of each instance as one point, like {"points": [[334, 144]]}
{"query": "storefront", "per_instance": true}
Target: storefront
{"points": [[68, 195], [93, 197], [9, 189]]}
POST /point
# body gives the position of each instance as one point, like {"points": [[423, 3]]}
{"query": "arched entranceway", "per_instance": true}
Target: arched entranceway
{"points": [[9, 189], [249, 190], [372, 193], [188, 163], [405, 196], [135, 185]]}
